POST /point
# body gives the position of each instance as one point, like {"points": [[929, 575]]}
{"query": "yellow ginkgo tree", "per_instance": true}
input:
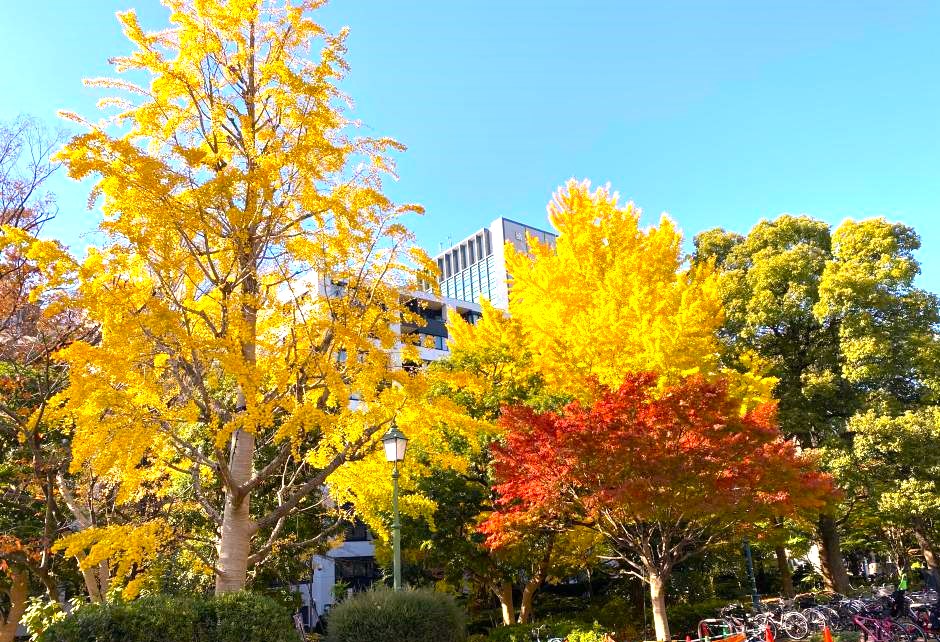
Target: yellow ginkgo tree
{"points": [[607, 298], [250, 286]]}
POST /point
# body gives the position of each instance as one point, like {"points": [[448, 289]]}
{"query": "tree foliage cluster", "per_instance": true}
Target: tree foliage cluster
{"points": [[835, 315], [198, 401]]}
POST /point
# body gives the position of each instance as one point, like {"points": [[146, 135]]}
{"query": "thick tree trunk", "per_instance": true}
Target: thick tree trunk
{"points": [[538, 577], [528, 596], [237, 525], [786, 575], [504, 593], [927, 548], [830, 555], [658, 598], [18, 592]]}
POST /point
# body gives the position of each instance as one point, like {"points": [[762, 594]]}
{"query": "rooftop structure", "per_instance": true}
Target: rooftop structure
{"points": [[475, 268]]}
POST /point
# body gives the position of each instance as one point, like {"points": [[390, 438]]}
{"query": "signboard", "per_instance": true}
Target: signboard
{"points": [[299, 625]]}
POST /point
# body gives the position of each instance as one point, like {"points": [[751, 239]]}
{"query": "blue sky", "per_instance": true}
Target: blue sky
{"points": [[718, 112]]}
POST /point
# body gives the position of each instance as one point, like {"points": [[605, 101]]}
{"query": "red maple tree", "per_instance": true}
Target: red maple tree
{"points": [[660, 472]]}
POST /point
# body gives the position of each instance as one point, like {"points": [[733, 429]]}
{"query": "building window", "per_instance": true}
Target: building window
{"points": [[471, 316], [357, 531], [359, 573]]}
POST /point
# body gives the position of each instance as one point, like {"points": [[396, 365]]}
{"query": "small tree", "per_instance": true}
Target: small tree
{"points": [[659, 471], [897, 461]]}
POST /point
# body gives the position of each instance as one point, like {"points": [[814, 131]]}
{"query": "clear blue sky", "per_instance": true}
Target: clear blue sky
{"points": [[719, 112]]}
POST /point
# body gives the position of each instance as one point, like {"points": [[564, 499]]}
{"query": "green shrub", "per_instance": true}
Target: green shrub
{"points": [[237, 617], [841, 636], [568, 629], [382, 615], [684, 618]]}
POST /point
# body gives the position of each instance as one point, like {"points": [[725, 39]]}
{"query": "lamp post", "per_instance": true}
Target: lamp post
{"points": [[755, 597], [395, 444]]}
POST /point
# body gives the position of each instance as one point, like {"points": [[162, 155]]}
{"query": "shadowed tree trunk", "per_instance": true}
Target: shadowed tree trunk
{"points": [[528, 593], [830, 556], [18, 592], [786, 575], [927, 548], [97, 580], [504, 593]]}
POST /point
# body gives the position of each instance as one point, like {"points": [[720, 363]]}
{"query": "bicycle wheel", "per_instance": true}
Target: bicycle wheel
{"points": [[831, 614], [795, 625], [761, 621], [816, 619], [908, 632]]}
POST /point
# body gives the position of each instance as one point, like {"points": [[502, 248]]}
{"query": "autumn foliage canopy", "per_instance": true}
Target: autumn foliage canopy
{"points": [[644, 455]]}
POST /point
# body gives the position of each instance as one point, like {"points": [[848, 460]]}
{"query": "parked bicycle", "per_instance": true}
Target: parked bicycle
{"points": [[784, 620], [874, 627]]}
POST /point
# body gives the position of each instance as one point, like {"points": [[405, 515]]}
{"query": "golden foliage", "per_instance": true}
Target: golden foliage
{"points": [[127, 549], [252, 279], [609, 298]]}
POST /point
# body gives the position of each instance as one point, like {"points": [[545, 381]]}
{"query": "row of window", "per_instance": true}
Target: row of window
{"points": [[471, 251], [471, 284]]}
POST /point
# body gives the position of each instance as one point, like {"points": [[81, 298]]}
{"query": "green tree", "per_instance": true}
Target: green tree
{"points": [[837, 319], [900, 462]]}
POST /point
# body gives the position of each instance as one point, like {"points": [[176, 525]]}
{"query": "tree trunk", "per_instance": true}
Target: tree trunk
{"points": [[830, 556], [19, 591], [786, 575], [528, 593], [927, 548], [528, 596], [504, 594], [97, 580], [237, 525], [658, 598]]}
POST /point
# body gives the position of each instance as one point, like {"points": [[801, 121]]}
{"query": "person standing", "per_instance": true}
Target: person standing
{"points": [[898, 608]]}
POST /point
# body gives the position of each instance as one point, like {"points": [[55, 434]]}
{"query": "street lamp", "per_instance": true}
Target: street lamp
{"points": [[395, 444], [755, 596]]}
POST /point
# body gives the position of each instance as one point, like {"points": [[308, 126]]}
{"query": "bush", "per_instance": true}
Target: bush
{"points": [[841, 636], [684, 618], [237, 617], [382, 615], [571, 631]]}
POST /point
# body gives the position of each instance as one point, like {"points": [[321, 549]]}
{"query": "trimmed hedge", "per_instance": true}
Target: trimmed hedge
{"points": [[236, 617], [382, 615]]}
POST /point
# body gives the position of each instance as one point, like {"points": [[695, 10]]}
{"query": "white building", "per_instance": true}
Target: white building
{"points": [[475, 267]]}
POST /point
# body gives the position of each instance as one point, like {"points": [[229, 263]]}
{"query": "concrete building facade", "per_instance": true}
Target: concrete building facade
{"points": [[475, 268]]}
